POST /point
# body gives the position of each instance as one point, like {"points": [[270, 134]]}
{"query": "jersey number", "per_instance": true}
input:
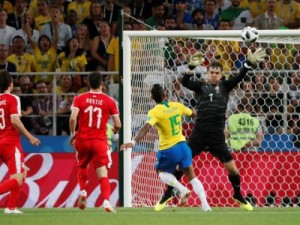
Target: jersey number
{"points": [[91, 110], [2, 119], [175, 124], [246, 122]]}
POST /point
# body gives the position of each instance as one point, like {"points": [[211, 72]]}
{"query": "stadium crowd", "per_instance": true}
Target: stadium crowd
{"points": [[81, 35]]}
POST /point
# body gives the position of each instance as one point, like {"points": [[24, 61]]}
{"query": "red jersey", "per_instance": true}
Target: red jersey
{"points": [[94, 111], [9, 105]]}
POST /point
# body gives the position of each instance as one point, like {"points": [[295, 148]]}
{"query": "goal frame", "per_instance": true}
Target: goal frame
{"points": [[127, 90]]}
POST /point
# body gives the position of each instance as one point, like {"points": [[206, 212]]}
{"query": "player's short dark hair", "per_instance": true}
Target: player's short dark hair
{"points": [[157, 93], [95, 80], [215, 64], [5, 80]]}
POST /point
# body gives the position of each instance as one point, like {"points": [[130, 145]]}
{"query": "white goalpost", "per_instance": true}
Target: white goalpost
{"points": [[151, 57]]}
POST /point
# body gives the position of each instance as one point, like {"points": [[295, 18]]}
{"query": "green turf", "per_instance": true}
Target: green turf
{"points": [[147, 216]]}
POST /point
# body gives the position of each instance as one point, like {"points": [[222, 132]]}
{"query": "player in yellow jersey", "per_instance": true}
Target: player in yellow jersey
{"points": [[173, 150]]}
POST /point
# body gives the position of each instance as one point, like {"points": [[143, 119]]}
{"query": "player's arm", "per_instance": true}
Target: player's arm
{"points": [[141, 133], [196, 60], [73, 123], [117, 123], [17, 123], [252, 60]]}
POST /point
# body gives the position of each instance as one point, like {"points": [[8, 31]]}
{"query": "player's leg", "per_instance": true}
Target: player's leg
{"points": [[187, 165], [102, 162], [224, 155], [83, 156], [167, 161], [14, 159], [196, 150]]}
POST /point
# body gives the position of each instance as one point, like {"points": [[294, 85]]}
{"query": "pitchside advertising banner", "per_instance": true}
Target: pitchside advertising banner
{"points": [[52, 178]]}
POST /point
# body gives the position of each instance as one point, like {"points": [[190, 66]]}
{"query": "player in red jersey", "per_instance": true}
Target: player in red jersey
{"points": [[11, 152], [92, 111]]}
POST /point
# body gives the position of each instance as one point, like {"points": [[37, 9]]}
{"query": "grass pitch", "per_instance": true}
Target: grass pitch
{"points": [[147, 216]]}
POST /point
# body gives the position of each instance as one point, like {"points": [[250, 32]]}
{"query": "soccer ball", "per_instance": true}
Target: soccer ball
{"points": [[249, 34]]}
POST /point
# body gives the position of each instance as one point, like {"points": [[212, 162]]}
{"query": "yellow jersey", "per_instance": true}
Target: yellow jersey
{"points": [[167, 117]]}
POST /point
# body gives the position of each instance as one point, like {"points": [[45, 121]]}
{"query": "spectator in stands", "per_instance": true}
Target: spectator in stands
{"points": [[227, 50], [71, 20], [99, 47], [256, 7], [170, 23], [65, 85], [198, 21], [269, 20], [42, 108], [211, 14], [63, 5], [267, 67], [63, 114], [5, 30], [281, 57], [26, 105], [4, 64], [7, 6], [272, 105], [296, 63], [113, 51], [43, 16], [94, 19], [24, 61], [140, 8], [127, 14], [64, 30], [82, 9], [259, 81], [45, 54], [294, 93], [290, 11], [243, 132], [73, 60], [158, 16], [82, 34], [184, 19], [15, 19], [239, 17], [110, 14], [296, 132], [26, 30]]}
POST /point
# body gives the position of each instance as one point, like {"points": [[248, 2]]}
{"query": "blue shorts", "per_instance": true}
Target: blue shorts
{"points": [[178, 155]]}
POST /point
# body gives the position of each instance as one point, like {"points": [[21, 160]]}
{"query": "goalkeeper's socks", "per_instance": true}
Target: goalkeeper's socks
{"points": [[8, 185], [235, 182], [105, 187], [14, 194], [82, 176]]}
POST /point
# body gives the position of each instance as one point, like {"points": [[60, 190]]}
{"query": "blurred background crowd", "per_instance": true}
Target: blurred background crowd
{"points": [[76, 36]]}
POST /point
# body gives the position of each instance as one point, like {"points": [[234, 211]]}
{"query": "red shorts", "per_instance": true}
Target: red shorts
{"points": [[94, 150], [12, 155]]}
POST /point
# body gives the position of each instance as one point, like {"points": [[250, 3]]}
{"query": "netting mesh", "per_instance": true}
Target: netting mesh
{"points": [[271, 93]]}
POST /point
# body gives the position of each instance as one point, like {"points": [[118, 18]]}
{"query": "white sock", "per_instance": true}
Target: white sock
{"points": [[199, 190], [171, 180]]}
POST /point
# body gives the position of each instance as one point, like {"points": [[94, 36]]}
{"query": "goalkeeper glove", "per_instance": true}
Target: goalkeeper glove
{"points": [[256, 57], [196, 60]]}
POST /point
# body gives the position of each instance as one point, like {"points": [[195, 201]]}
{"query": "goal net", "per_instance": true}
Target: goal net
{"points": [[270, 173]]}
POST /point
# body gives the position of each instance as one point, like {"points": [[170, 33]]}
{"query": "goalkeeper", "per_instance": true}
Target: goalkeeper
{"points": [[208, 132]]}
